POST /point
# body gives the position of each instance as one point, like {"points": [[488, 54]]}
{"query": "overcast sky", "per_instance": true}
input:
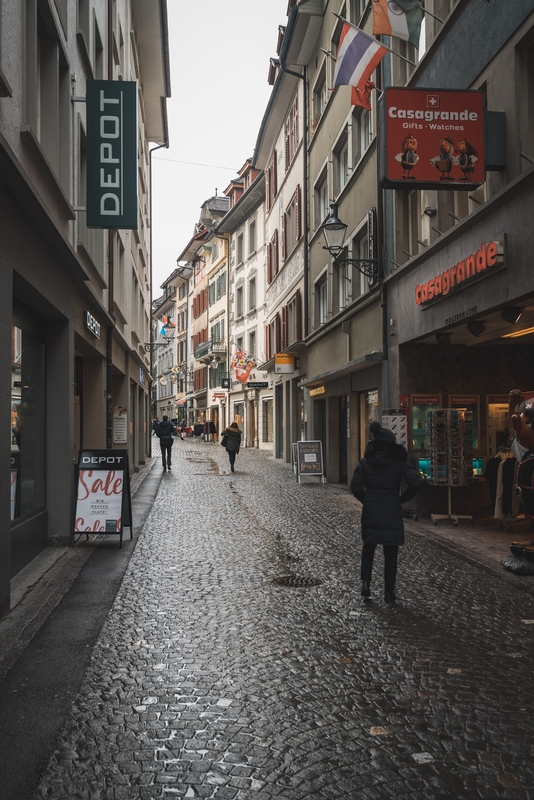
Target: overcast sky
{"points": [[220, 52]]}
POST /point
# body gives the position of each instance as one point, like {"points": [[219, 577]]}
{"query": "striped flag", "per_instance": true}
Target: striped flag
{"points": [[400, 18], [358, 56]]}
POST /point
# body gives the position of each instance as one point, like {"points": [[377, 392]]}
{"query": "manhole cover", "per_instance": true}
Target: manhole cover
{"points": [[297, 580]]}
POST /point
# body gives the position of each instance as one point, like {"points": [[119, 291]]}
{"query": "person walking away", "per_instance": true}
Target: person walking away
{"points": [[164, 432], [232, 441], [376, 484], [155, 424]]}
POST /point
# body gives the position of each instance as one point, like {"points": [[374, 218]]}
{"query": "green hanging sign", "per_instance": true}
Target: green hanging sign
{"points": [[111, 154]]}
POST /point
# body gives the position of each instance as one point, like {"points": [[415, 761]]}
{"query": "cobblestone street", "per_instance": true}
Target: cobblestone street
{"points": [[209, 680]]}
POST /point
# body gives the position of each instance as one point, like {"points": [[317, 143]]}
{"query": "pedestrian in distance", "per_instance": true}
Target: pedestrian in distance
{"points": [[164, 432], [155, 424], [231, 439], [376, 483]]}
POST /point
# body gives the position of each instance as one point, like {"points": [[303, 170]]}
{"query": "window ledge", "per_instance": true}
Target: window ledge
{"points": [[29, 136]]}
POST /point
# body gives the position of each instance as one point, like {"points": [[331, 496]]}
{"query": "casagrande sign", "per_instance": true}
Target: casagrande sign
{"points": [[111, 154]]}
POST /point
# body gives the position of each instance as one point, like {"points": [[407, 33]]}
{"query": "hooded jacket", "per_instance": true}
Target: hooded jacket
{"points": [[233, 439], [165, 429], [376, 484]]}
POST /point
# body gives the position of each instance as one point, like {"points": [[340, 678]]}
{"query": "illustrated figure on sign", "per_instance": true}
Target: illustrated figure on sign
{"points": [[467, 155], [445, 161], [408, 157]]}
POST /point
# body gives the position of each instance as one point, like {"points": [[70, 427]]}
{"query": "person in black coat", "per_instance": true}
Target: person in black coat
{"points": [[164, 432], [376, 484], [232, 441]]}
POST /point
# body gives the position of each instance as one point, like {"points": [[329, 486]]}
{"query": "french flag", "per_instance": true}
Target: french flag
{"points": [[358, 57]]}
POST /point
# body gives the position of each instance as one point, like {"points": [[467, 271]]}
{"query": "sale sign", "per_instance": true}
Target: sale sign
{"points": [[103, 501], [432, 138]]}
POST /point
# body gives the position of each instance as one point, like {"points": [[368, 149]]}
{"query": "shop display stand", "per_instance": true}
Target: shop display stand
{"points": [[450, 454]]}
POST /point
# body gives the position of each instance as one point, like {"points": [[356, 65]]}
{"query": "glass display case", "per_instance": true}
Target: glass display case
{"points": [[420, 404]]}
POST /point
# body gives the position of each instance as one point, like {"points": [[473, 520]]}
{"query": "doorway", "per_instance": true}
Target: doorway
{"points": [[344, 433]]}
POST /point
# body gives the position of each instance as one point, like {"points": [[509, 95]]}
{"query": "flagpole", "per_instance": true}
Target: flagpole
{"points": [[430, 14], [372, 38]]}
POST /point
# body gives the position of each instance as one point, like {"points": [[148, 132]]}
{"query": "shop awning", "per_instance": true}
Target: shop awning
{"points": [[352, 366]]}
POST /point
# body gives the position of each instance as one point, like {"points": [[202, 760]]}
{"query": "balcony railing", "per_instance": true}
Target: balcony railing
{"points": [[206, 351]]}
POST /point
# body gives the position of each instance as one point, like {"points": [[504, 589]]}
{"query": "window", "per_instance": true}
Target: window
{"points": [[291, 231], [239, 256], [239, 343], [294, 319], [321, 308], [340, 287], [361, 133], [320, 98], [217, 288], [252, 343], [267, 420], [291, 133], [272, 258], [356, 9], [271, 187], [217, 331], [239, 302], [360, 249], [214, 251], [252, 294], [321, 200], [199, 270], [341, 163], [252, 237]]}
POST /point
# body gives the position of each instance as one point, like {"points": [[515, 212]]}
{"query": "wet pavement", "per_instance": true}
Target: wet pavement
{"points": [[210, 680]]}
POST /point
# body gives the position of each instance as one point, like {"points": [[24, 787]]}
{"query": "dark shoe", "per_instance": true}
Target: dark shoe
{"points": [[389, 597], [366, 589], [232, 467], [164, 469], [169, 467]]}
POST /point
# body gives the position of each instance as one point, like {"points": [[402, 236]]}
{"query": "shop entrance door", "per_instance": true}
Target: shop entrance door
{"points": [[343, 438], [279, 417], [319, 425]]}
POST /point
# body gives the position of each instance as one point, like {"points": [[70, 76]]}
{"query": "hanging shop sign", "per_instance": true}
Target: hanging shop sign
{"points": [[431, 138], [257, 385], [111, 154], [92, 324], [284, 363], [489, 254], [103, 499]]}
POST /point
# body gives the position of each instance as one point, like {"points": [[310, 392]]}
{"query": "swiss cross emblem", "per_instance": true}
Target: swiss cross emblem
{"points": [[432, 101]]}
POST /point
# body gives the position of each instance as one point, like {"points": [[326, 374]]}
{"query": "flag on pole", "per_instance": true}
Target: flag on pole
{"points": [[243, 364], [358, 57], [400, 18]]}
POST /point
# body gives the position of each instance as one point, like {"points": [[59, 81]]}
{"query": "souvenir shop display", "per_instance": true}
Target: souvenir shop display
{"points": [[449, 436]]}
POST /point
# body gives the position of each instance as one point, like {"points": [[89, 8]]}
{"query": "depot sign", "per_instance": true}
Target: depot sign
{"points": [[431, 138], [111, 154], [488, 255]]}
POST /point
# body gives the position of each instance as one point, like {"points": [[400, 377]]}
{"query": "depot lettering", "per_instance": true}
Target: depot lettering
{"points": [[110, 156], [488, 255]]}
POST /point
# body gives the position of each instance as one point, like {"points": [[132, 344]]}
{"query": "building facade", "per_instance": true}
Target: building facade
{"points": [[76, 300]]}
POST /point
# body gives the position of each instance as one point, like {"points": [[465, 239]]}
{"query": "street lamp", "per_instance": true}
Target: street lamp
{"points": [[334, 232], [168, 336]]}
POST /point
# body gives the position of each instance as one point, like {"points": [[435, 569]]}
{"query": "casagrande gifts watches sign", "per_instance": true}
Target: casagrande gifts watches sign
{"points": [[103, 499], [431, 138], [111, 154]]}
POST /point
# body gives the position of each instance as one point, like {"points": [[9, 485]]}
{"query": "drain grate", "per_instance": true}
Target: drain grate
{"points": [[297, 580]]}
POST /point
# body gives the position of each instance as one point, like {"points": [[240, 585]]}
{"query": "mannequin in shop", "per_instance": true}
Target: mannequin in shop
{"points": [[522, 446]]}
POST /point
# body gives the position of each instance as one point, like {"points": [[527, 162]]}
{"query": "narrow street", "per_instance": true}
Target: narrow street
{"points": [[209, 680]]}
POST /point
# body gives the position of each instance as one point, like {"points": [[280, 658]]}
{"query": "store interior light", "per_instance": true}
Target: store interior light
{"points": [[443, 338], [511, 315], [476, 327], [516, 334]]}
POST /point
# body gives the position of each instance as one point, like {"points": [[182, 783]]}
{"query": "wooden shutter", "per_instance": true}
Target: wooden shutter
{"points": [[298, 220], [298, 316], [287, 135], [277, 332], [284, 327], [269, 263], [276, 266], [267, 342], [284, 237], [296, 122], [267, 190], [274, 179]]}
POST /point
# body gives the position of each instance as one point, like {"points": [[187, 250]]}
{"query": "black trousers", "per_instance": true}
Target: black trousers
{"points": [[166, 447], [231, 456], [391, 552]]}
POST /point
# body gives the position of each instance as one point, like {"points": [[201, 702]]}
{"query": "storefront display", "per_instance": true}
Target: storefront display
{"points": [[450, 452], [420, 405]]}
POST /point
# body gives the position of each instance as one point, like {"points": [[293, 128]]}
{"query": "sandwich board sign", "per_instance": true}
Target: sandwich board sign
{"points": [[103, 499], [310, 459]]}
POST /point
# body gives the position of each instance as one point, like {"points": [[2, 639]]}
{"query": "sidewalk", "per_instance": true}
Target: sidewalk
{"points": [[37, 589]]}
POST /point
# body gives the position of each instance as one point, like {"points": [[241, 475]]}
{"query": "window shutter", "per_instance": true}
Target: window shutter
{"points": [[287, 135], [284, 236], [298, 316], [298, 221], [284, 327], [277, 332], [269, 263], [267, 342], [275, 253], [296, 122], [267, 189], [275, 182]]}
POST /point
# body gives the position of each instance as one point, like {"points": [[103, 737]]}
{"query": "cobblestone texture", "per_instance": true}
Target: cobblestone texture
{"points": [[209, 681]]}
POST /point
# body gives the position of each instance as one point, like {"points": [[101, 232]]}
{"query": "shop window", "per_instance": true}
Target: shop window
{"points": [[239, 414], [267, 420], [27, 419]]}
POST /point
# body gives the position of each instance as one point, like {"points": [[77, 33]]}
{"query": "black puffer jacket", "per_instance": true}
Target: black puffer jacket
{"points": [[165, 429], [376, 483], [233, 439]]}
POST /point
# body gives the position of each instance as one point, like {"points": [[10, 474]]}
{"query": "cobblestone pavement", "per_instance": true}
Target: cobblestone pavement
{"points": [[209, 680]]}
